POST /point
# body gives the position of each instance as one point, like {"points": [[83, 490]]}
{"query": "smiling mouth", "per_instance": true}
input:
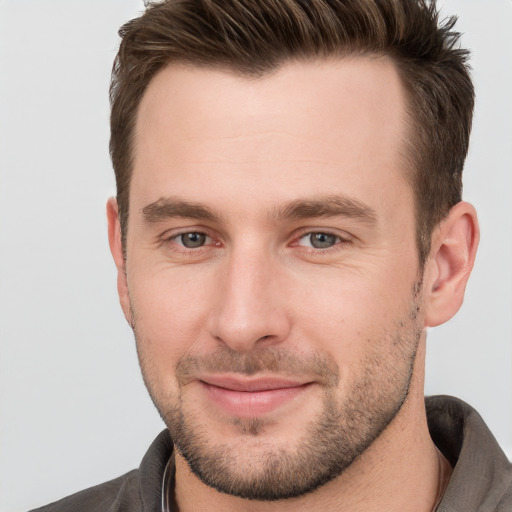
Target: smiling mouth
{"points": [[251, 397]]}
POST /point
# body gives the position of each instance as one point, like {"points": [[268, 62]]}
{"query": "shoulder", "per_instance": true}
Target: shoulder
{"points": [[482, 474], [135, 491], [505, 503], [118, 495]]}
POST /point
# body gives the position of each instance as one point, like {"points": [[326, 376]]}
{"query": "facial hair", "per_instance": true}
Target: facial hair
{"points": [[347, 424]]}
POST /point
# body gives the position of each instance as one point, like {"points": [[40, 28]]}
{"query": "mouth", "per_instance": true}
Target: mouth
{"points": [[251, 397]]}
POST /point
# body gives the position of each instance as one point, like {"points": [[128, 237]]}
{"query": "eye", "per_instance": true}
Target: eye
{"points": [[191, 240], [319, 240]]}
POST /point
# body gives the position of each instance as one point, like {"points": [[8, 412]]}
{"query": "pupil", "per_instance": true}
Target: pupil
{"points": [[192, 240], [322, 240]]}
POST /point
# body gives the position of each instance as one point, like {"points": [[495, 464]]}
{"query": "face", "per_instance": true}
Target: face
{"points": [[272, 271]]}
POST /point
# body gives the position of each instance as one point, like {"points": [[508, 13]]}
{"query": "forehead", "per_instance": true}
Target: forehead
{"points": [[305, 125]]}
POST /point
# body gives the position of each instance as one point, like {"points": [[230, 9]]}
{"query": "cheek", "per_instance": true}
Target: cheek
{"points": [[350, 313], [170, 311], [335, 310]]}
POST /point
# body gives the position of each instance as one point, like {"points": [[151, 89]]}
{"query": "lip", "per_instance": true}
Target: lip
{"points": [[251, 397]]}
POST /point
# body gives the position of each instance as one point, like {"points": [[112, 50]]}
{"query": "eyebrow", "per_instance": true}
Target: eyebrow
{"points": [[327, 206], [169, 207], [317, 207]]}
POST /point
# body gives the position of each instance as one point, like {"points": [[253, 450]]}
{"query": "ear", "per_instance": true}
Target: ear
{"points": [[116, 248], [453, 251]]}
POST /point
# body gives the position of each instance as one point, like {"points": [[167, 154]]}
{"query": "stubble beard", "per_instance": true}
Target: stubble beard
{"points": [[346, 426]]}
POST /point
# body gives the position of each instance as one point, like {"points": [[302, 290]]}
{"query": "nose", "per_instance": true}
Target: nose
{"points": [[250, 308]]}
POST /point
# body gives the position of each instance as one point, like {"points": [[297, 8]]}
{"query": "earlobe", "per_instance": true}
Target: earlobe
{"points": [[116, 248], [454, 245]]}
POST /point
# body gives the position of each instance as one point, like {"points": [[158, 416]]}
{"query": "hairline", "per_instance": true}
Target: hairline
{"points": [[409, 164]]}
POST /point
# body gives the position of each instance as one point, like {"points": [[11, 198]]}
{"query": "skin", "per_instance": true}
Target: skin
{"points": [[257, 292]]}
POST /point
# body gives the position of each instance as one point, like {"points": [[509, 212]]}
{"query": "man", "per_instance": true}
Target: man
{"points": [[288, 223]]}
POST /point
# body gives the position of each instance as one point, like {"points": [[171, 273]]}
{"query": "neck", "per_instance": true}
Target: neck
{"points": [[401, 471]]}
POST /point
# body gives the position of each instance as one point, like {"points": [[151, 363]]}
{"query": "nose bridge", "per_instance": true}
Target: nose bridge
{"points": [[249, 307]]}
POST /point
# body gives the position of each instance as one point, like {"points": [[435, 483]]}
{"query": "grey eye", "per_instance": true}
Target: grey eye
{"points": [[321, 240], [192, 240]]}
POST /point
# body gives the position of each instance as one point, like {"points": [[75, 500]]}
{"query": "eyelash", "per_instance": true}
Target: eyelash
{"points": [[170, 241], [340, 240]]}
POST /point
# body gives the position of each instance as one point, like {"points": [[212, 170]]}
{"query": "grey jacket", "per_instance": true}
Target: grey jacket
{"points": [[481, 480]]}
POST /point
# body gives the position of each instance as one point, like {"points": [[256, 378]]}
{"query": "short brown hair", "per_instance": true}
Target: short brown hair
{"points": [[254, 37]]}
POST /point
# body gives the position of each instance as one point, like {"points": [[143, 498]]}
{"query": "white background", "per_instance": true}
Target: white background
{"points": [[73, 409]]}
